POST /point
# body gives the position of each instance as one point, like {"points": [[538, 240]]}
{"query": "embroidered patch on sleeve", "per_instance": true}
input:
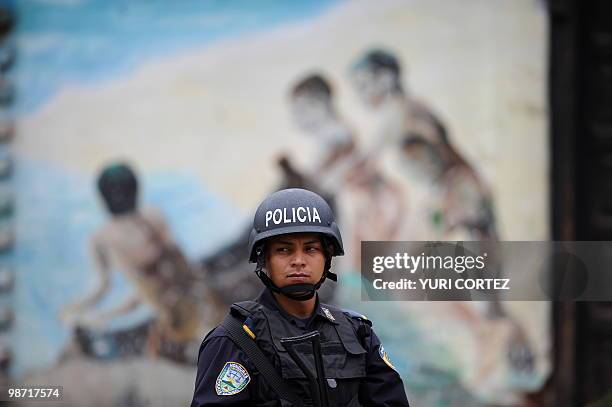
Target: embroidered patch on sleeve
{"points": [[232, 379], [385, 357]]}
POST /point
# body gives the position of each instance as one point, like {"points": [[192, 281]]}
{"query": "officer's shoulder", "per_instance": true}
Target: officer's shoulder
{"points": [[241, 310], [356, 316], [218, 332], [244, 308], [218, 338]]}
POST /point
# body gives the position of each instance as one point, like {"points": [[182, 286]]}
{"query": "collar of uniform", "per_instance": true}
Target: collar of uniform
{"points": [[266, 298], [325, 312]]}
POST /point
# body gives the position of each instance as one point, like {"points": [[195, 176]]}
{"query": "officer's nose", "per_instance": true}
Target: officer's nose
{"points": [[298, 260]]}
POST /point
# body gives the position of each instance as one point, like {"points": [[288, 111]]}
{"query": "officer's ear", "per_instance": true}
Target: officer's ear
{"points": [[261, 253], [327, 245]]}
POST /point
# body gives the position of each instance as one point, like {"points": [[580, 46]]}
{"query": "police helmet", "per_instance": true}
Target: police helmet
{"points": [[294, 211]]}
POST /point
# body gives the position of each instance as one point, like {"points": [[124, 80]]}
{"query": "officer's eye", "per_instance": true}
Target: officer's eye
{"points": [[282, 249], [312, 249]]}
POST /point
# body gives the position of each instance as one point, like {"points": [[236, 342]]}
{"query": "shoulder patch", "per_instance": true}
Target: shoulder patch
{"points": [[232, 379], [385, 357], [357, 315]]}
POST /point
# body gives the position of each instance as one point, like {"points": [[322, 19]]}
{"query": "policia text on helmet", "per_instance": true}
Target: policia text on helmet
{"points": [[292, 211]]}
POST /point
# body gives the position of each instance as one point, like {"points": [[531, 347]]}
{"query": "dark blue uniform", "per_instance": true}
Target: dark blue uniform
{"points": [[354, 359]]}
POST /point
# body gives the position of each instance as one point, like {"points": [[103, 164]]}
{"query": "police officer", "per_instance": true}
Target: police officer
{"points": [[293, 240]]}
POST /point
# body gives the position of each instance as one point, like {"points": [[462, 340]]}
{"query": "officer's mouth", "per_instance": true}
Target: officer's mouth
{"points": [[299, 277]]}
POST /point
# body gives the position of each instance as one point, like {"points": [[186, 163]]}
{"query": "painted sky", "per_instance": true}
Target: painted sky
{"points": [[63, 42]]}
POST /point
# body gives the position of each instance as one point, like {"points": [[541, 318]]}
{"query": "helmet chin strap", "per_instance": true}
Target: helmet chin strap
{"points": [[297, 292]]}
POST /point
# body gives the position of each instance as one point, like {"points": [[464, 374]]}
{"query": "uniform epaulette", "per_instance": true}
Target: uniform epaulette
{"points": [[244, 308], [357, 315]]}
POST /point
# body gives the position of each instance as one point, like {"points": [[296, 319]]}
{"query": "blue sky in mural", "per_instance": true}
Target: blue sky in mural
{"points": [[79, 41]]}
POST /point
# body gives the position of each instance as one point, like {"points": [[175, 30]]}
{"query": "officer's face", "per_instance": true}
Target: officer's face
{"points": [[296, 258]]}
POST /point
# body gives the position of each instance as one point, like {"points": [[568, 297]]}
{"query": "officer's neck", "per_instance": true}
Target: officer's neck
{"points": [[299, 309]]}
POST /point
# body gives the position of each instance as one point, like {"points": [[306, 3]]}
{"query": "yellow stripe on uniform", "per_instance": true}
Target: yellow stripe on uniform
{"points": [[247, 330]]}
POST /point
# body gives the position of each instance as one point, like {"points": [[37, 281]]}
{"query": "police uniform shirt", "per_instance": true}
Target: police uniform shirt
{"points": [[358, 369]]}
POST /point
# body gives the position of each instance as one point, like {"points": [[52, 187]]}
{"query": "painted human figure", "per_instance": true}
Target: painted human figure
{"points": [[453, 201], [371, 204], [138, 242]]}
